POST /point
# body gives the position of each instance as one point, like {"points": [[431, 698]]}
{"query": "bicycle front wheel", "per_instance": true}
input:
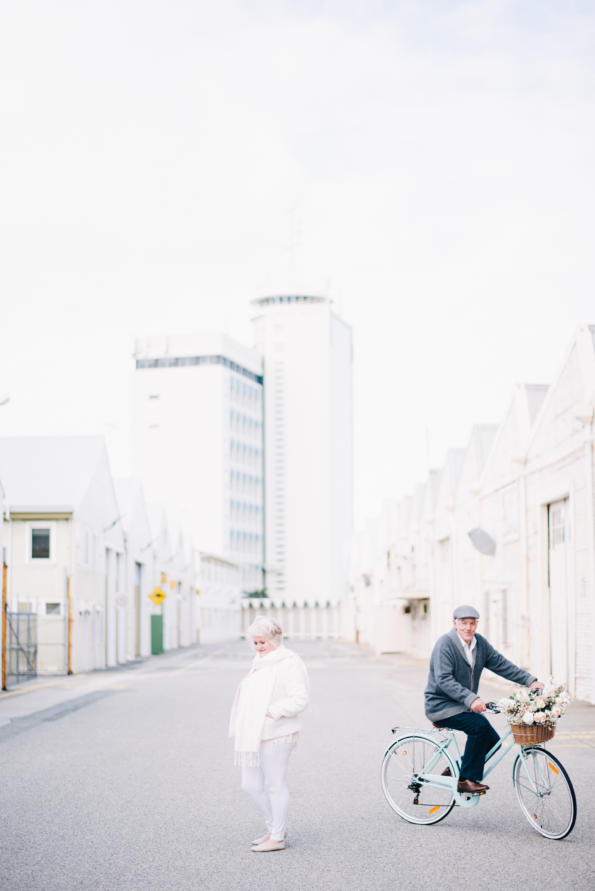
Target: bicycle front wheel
{"points": [[545, 793], [405, 763]]}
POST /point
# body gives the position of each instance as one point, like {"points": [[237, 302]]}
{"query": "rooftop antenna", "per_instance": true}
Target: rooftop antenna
{"points": [[293, 243]]}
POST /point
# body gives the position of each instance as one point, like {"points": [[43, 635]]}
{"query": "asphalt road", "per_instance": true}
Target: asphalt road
{"points": [[124, 780]]}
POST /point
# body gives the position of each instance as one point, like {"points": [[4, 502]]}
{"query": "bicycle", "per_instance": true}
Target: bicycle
{"points": [[417, 787]]}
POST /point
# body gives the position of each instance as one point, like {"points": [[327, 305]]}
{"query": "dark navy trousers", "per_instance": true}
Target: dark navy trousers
{"points": [[481, 737]]}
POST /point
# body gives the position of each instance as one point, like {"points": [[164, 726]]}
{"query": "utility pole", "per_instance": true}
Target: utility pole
{"points": [[4, 620], [68, 628]]}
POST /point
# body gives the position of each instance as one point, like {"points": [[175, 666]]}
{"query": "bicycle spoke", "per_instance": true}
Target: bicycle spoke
{"points": [[404, 766], [545, 793]]}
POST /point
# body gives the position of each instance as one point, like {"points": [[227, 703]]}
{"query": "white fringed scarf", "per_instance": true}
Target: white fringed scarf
{"points": [[250, 706]]}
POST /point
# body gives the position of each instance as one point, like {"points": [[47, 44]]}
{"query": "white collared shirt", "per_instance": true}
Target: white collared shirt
{"points": [[468, 649]]}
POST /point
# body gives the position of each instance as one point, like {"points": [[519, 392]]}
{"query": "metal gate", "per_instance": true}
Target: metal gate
{"points": [[21, 647]]}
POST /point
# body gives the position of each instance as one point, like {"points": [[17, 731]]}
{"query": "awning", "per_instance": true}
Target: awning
{"points": [[405, 597], [415, 595]]}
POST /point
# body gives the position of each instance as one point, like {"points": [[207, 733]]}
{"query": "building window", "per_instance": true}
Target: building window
{"points": [[41, 541], [53, 609], [557, 523], [40, 544]]}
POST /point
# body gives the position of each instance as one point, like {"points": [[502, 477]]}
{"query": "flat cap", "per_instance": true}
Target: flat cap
{"points": [[465, 612]]}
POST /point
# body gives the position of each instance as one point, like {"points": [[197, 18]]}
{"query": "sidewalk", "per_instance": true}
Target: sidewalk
{"points": [[47, 697]]}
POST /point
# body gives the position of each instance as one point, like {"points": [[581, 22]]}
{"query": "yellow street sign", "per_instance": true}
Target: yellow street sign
{"points": [[163, 578], [157, 596], [197, 591], [173, 584]]}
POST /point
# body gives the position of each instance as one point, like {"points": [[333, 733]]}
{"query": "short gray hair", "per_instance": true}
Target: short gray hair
{"points": [[266, 627]]}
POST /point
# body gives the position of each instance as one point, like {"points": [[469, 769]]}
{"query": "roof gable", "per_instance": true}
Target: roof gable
{"points": [[556, 423], [432, 489], [476, 454], [510, 442], [447, 492], [133, 510]]}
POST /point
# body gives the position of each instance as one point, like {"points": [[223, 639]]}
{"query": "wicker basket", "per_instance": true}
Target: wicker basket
{"points": [[530, 734]]}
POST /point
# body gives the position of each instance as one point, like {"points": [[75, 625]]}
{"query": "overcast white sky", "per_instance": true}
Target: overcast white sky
{"points": [[431, 161]]}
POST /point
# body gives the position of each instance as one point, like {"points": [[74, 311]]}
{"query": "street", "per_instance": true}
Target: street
{"points": [[124, 780]]}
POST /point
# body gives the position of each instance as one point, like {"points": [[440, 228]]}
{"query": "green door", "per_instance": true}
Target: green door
{"points": [[156, 635]]}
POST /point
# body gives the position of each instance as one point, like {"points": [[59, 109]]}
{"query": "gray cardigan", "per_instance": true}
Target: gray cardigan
{"points": [[452, 683]]}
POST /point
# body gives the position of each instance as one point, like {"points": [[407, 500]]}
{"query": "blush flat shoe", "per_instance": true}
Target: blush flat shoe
{"points": [[269, 845], [263, 838]]}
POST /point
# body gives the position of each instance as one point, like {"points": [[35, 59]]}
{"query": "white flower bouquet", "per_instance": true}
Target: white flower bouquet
{"points": [[533, 714]]}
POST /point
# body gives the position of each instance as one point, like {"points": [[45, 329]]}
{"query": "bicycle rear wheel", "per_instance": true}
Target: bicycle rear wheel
{"points": [[404, 762], [545, 793]]}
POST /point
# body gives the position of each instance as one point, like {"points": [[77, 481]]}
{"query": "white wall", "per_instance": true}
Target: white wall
{"points": [[34, 583], [179, 446], [98, 569], [134, 611], [298, 621], [219, 611]]}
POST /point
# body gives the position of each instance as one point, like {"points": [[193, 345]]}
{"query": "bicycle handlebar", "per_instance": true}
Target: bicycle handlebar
{"points": [[493, 707]]}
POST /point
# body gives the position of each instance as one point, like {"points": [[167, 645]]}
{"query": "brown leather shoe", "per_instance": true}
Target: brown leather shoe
{"points": [[446, 772], [471, 786]]}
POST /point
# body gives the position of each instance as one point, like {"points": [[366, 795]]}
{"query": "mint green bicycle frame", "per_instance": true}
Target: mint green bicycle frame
{"points": [[465, 799]]}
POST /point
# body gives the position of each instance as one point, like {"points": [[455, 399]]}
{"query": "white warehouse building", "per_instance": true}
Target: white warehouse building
{"points": [[507, 525]]}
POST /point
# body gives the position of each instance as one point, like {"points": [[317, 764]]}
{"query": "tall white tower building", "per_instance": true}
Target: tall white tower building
{"points": [[198, 442], [307, 354]]}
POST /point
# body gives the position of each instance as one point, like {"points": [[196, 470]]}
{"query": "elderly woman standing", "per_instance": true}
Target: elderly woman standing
{"points": [[265, 723]]}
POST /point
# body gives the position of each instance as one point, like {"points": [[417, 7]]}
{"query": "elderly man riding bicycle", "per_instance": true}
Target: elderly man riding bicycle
{"points": [[451, 699]]}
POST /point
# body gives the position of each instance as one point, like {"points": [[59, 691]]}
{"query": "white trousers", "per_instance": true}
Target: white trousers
{"points": [[267, 785]]}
